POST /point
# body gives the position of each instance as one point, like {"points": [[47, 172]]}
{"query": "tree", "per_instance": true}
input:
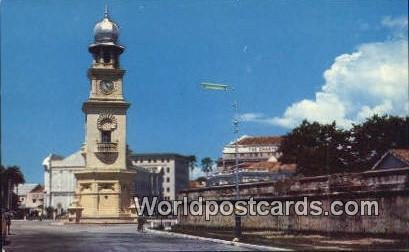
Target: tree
{"points": [[320, 149], [10, 177], [207, 165], [372, 138], [192, 163], [316, 148]]}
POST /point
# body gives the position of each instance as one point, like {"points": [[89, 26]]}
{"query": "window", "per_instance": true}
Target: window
{"points": [[167, 189], [34, 200], [167, 169], [167, 179], [107, 57], [105, 136]]}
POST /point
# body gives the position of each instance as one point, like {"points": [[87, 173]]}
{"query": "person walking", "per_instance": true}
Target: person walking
{"points": [[8, 221], [3, 228], [141, 221]]}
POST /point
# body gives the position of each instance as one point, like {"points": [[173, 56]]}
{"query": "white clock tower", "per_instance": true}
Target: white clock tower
{"points": [[105, 187]]}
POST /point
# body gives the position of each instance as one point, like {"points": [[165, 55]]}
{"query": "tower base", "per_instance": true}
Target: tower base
{"points": [[105, 196]]}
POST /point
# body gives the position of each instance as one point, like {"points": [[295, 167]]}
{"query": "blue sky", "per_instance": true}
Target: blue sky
{"points": [[286, 60]]}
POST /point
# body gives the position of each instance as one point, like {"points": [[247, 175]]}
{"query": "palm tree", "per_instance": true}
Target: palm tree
{"points": [[207, 165], [192, 163], [10, 177]]}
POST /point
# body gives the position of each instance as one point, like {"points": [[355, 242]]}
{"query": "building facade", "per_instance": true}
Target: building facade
{"points": [[59, 179], [30, 198], [250, 149], [263, 171], [175, 169]]}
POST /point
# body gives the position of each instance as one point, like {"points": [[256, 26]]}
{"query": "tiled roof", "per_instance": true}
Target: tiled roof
{"points": [[401, 154], [23, 189], [38, 189], [158, 155], [260, 140], [271, 166]]}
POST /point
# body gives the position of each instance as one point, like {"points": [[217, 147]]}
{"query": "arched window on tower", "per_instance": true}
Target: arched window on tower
{"points": [[105, 136], [107, 57]]}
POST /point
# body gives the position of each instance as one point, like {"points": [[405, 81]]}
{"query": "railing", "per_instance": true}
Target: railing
{"points": [[107, 147]]}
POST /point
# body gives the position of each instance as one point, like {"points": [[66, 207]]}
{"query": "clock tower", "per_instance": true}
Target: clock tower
{"points": [[104, 188]]}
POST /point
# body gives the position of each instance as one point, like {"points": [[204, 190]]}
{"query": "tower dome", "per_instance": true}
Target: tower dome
{"points": [[106, 31]]}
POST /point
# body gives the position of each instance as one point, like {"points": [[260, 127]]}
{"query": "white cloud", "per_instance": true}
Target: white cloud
{"points": [[371, 80], [398, 25]]}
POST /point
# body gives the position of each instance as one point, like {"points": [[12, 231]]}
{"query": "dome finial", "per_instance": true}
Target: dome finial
{"points": [[106, 11]]}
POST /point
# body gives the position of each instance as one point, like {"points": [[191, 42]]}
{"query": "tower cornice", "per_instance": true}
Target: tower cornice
{"points": [[98, 104], [98, 73]]}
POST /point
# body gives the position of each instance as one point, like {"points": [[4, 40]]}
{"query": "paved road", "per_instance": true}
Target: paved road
{"points": [[45, 236]]}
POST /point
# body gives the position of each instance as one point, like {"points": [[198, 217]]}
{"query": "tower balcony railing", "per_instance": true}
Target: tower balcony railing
{"points": [[107, 147]]}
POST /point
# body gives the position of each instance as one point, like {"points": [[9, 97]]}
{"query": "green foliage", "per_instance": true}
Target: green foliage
{"points": [[371, 139], [207, 165], [192, 162], [201, 179], [319, 149], [10, 177]]}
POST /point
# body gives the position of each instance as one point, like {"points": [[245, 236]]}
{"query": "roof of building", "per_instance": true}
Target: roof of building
{"points": [[158, 155], [38, 189], [271, 166], [400, 154], [23, 189], [74, 160], [260, 140], [52, 157]]}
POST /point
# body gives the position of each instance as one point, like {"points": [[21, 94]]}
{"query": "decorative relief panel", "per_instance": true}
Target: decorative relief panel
{"points": [[106, 186], [106, 121], [85, 187]]}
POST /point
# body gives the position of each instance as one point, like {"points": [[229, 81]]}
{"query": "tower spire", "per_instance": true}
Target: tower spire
{"points": [[106, 11]]}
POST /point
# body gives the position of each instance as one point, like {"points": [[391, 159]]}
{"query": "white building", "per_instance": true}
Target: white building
{"points": [[250, 149], [30, 197], [175, 168], [59, 179], [60, 182]]}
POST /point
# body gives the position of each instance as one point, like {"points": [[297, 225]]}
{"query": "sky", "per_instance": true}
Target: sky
{"points": [[287, 60]]}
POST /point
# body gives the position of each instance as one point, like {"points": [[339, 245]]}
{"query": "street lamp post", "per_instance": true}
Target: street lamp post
{"points": [[223, 87]]}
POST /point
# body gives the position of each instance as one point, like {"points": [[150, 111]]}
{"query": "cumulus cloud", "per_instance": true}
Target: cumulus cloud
{"points": [[371, 80]]}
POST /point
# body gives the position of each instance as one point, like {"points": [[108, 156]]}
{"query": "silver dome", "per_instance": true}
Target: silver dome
{"points": [[106, 30]]}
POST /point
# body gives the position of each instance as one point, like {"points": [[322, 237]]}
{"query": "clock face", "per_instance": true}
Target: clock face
{"points": [[106, 86]]}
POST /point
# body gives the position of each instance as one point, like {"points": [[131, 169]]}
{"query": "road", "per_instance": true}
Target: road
{"points": [[46, 236]]}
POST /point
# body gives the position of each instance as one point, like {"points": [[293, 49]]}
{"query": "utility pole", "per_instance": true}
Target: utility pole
{"points": [[223, 87], [237, 218]]}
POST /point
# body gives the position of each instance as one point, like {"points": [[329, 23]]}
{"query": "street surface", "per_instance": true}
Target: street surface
{"points": [[47, 236]]}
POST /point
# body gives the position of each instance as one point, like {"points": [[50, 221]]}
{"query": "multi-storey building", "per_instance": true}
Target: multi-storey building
{"points": [[250, 150], [30, 198], [175, 169]]}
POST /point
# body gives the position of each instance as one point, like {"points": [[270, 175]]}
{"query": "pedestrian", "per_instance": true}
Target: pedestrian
{"points": [[8, 221], [140, 223], [3, 227]]}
